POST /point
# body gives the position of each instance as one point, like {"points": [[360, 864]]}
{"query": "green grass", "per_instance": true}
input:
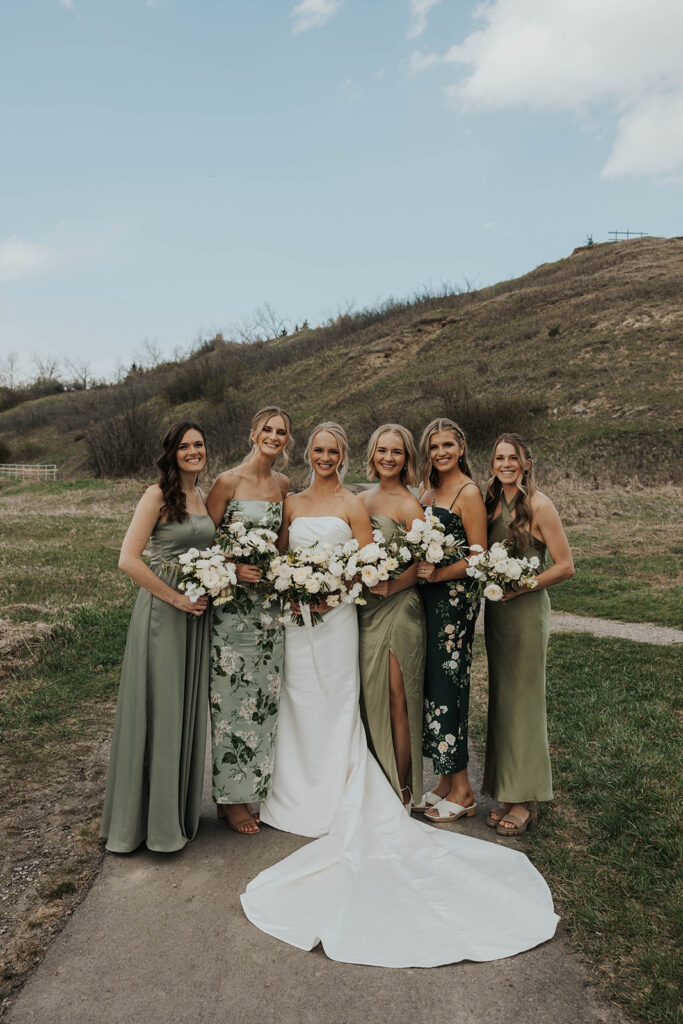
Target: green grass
{"points": [[609, 844], [638, 588], [56, 700]]}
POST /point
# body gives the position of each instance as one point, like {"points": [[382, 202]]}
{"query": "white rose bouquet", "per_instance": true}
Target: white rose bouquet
{"points": [[206, 572], [374, 563], [248, 545], [305, 575], [495, 570], [428, 541]]}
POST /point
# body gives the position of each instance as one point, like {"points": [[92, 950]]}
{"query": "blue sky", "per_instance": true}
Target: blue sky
{"points": [[168, 166]]}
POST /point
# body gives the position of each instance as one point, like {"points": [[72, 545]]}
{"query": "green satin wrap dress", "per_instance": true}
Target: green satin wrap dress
{"points": [[156, 766], [393, 624], [517, 763]]}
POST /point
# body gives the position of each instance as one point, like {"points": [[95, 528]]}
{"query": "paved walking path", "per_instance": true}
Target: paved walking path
{"points": [[163, 939]]}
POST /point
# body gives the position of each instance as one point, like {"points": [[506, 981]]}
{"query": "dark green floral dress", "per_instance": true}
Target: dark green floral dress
{"points": [[451, 615], [246, 665]]}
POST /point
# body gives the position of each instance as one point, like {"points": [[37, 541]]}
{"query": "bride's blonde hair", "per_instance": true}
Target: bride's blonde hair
{"points": [[342, 440]]}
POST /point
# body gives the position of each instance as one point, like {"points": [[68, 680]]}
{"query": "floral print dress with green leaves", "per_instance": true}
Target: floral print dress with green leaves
{"points": [[451, 615], [246, 665]]}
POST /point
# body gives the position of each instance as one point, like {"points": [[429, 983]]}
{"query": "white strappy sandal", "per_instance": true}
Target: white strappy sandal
{"points": [[428, 800], [448, 811]]}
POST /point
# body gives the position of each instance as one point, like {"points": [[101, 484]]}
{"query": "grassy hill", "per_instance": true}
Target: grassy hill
{"points": [[582, 355]]}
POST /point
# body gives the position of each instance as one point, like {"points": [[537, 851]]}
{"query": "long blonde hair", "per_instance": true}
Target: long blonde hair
{"points": [[522, 521], [429, 475], [342, 440], [409, 470], [259, 421]]}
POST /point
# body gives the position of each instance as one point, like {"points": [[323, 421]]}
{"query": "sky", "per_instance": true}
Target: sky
{"points": [[169, 166]]}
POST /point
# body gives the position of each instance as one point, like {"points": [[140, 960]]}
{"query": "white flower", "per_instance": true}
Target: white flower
{"points": [[378, 536], [391, 564], [336, 568], [332, 600], [450, 739], [493, 592], [369, 576], [477, 549], [351, 567], [434, 552], [247, 707], [187, 558], [313, 583], [301, 574], [370, 553], [442, 747], [194, 591], [514, 570], [350, 547], [405, 554]]}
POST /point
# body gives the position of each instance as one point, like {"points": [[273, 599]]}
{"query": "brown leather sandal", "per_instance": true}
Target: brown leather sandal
{"points": [[500, 811], [520, 825]]}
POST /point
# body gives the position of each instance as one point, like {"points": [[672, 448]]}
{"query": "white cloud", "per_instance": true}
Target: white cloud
{"points": [[69, 4], [419, 11], [621, 54], [313, 14], [18, 258]]}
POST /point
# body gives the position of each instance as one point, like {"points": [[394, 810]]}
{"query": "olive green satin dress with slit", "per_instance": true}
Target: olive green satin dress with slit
{"points": [[156, 766], [517, 764], [393, 624]]}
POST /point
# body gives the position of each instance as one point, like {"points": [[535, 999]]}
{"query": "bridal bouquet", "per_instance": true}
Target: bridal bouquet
{"points": [[206, 572], [374, 563], [307, 574], [495, 571], [428, 541]]}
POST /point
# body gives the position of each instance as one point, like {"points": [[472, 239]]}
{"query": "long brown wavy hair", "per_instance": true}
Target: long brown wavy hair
{"points": [[428, 473], [520, 527], [169, 474]]}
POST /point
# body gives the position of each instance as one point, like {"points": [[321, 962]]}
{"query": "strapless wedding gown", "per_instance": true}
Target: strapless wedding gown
{"points": [[378, 887]]}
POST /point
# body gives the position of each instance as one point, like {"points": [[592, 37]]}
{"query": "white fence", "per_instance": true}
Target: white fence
{"points": [[24, 471]]}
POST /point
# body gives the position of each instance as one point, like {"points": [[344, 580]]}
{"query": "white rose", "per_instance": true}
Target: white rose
{"points": [[369, 575], [514, 570], [391, 564], [493, 592], [369, 553], [414, 535], [351, 567], [301, 574], [434, 552], [350, 547], [336, 567], [313, 583], [188, 556], [405, 554]]}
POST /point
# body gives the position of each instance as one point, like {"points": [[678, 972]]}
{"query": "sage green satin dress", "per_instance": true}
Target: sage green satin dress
{"points": [[517, 764], [156, 766], [393, 624]]}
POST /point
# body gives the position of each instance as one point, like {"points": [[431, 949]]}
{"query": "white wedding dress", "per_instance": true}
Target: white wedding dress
{"points": [[378, 887]]}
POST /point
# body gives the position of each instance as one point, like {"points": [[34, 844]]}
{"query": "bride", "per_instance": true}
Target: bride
{"points": [[377, 887]]}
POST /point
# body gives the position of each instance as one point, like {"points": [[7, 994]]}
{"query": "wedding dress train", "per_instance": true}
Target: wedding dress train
{"points": [[377, 887]]}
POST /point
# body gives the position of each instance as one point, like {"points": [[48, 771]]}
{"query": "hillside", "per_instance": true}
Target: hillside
{"points": [[583, 355]]}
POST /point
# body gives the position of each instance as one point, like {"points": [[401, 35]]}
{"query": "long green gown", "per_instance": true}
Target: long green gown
{"points": [[393, 624], [517, 765], [247, 649], [451, 617], [156, 766]]}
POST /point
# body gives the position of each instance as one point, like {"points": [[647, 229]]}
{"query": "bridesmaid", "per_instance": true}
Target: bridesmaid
{"points": [[156, 767], [451, 616], [246, 646], [517, 767], [392, 628]]}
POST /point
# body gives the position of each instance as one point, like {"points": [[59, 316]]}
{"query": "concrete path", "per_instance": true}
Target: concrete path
{"points": [[162, 940]]}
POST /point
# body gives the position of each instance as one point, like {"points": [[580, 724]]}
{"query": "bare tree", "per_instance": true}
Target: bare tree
{"points": [[81, 376], [9, 371], [150, 353], [46, 367], [263, 324]]}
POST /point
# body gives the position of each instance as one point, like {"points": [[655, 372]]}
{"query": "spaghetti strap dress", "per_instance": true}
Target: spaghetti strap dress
{"points": [[156, 766], [517, 764], [451, 616], [396, 625], [246, 666]]}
